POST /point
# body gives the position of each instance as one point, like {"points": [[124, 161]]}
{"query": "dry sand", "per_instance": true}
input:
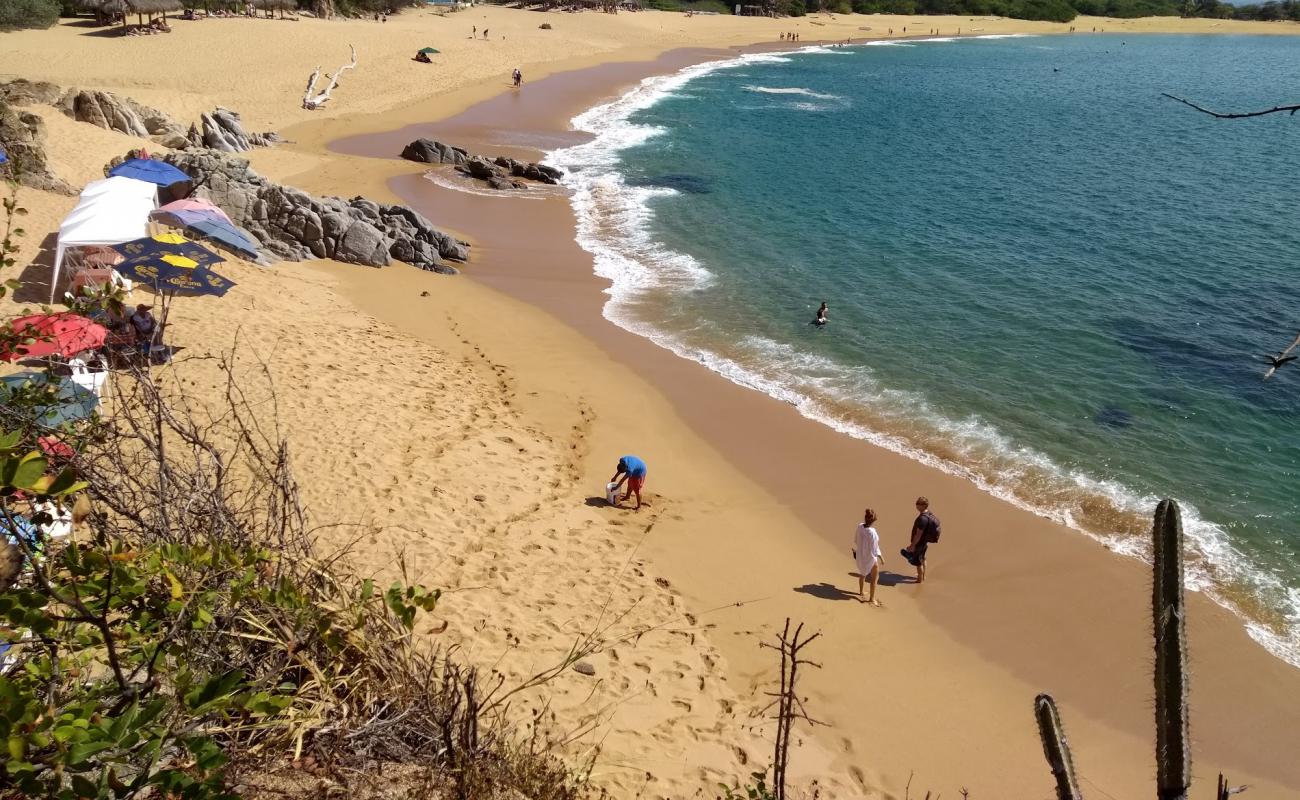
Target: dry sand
{"points": [[466, 432]]}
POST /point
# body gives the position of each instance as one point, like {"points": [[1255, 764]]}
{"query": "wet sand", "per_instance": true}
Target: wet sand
{"points": [[1016, 604]]}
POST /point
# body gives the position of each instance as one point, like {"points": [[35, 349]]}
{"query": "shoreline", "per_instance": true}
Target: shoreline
{"points": [[501, 401], [567, 289]]}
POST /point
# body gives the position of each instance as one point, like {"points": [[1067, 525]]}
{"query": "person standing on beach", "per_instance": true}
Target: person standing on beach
{"points": [[485, 34], [866, 554], [632, 470], [517, 76], [925, 531]]}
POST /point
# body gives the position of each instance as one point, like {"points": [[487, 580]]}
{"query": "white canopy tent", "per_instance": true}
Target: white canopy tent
{"points": [[110, 211]]}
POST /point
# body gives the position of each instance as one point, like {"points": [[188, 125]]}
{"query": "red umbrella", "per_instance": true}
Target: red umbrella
{"points": [[55, 334]]}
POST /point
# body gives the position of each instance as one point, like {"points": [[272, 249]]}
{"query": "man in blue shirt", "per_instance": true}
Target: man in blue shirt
{"points": [[632, 470]]}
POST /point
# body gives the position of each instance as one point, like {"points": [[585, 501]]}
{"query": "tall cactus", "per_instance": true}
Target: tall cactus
{"points": [[1056, 748], [1173, 745]]}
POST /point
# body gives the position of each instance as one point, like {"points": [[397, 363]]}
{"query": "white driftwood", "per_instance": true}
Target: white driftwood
{"points": [[310, 101]]}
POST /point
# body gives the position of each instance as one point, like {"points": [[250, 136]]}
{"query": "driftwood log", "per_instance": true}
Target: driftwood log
{"points": [[312, 101]]}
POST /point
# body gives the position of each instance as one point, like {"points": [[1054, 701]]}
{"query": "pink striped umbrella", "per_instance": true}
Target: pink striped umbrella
{"points": [[193, 204]]}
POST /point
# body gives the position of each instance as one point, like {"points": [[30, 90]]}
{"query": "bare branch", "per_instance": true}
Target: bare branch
{"points": [[1289, 110]]}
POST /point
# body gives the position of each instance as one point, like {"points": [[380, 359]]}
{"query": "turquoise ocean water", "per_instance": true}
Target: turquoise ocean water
{"points": [[1041, 275]]}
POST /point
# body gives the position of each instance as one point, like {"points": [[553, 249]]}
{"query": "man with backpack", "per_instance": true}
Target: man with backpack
{"points": [[925, 531]]}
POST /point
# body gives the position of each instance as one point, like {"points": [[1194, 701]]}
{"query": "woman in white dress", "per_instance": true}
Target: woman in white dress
{"points": [[866, 552]]}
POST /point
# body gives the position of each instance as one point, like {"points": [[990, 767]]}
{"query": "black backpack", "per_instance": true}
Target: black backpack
{"points": [[932, 528]]}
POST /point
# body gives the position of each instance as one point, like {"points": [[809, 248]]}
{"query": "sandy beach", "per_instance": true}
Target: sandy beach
{"points": [[465, 426]]}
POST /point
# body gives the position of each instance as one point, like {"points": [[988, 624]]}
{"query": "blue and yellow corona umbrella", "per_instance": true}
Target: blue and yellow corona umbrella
{"points": [[173, 274], [164, 244]]}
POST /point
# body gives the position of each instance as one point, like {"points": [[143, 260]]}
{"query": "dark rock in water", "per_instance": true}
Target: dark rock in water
{"points": [[294, 225], [681, 181], [427, 151], [493, 171], [1113, 417]]}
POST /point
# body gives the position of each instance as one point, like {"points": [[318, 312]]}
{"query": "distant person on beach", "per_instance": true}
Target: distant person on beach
{"points": [[821, 318], [925, 532], [485, 33], [517, 76], [632, 470], [473, 31], [867, 557]]}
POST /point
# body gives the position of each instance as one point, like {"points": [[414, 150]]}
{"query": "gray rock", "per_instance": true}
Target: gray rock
{"points": [[293, 225], [23, 135], [223, 130], [20, 92], [428, 151], [107, 110], [495, 172], [583, 668]]}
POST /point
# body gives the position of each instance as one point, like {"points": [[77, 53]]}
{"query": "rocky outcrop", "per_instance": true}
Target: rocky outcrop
{"points": [[223, 130], [295, 225], [122, 114], [23, 136], [427, 151], [20, 92], [499, 172]]}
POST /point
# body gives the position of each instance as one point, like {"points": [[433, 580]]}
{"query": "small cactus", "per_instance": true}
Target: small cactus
{"points": [[1056, 748], [1173, 745]]}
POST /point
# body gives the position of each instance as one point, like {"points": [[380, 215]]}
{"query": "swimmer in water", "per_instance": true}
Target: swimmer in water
{"points": [[821, 315]]}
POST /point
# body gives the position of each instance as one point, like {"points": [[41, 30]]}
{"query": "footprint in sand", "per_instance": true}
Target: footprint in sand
{"points": [[683, 705]]}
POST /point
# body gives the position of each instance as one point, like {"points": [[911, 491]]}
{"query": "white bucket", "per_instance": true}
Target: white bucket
{"points": [[611, 493]]}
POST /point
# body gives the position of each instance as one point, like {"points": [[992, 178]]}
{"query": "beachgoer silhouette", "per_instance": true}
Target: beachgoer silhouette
{"points": [[485, 32], [1281, 359], [518, 76]]}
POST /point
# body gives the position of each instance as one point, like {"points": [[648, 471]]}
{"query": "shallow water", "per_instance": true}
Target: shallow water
{"points": [[1041, 275]]}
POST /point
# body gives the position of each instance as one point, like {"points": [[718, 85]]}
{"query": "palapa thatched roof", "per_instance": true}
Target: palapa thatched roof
{"points": [[104, 6], [153, 6]]}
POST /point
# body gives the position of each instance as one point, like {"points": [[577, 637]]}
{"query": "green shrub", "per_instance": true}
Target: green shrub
{"points": [[1049, 10], [28, 13]]}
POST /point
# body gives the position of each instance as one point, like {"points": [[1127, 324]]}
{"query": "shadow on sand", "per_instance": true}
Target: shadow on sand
{"points": [[826, 591]]}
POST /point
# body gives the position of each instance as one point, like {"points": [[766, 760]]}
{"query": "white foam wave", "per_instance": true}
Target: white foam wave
{"points": [[613, 225], [792, 90], [460, 183]]}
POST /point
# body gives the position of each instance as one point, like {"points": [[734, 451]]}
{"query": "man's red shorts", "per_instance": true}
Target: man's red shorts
{"points": [[634, 483]]}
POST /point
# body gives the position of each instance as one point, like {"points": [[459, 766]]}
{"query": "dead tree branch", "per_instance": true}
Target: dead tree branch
{"points": [[1289, 110], [789, 707]]}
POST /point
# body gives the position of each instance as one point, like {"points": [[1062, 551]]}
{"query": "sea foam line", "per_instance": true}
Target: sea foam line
{"points": [[613, 225], [792, 91]]}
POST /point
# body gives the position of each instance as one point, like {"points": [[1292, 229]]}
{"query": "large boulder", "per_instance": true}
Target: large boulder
{"points": [[495, 172], [223, 130], [20, 92], [107, 110], [23, 135], [294, 225], [427, 151], [363, 243]]}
